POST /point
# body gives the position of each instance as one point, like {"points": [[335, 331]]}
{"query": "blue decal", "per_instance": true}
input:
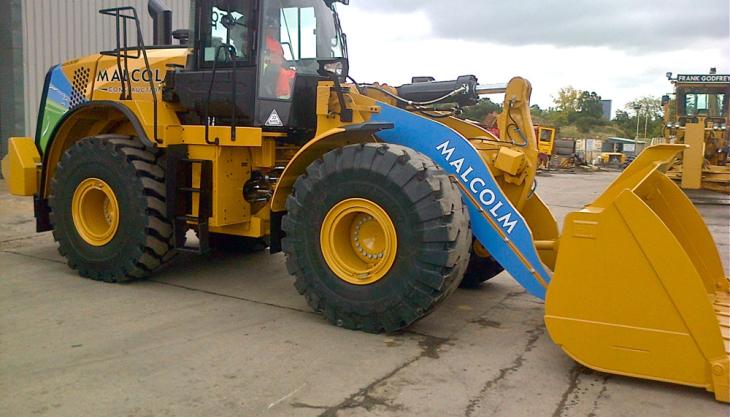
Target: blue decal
{"points": [[56, 102], [59, 91], [458, 157]]}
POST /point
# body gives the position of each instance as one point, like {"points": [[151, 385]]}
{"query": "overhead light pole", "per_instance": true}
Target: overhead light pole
{"points": [[637, 107]]}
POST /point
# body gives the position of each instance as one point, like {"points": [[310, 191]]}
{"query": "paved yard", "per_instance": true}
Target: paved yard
{"points": [[227, 335]]}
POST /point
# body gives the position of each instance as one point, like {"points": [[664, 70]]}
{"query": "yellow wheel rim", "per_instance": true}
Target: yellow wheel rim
{"points": [[358, 241], [95, 212]]}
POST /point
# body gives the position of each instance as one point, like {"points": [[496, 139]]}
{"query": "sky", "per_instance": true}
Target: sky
{"points": [[621, 49]]}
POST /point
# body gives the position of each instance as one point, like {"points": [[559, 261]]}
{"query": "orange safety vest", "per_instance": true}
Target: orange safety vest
{"points": [[285, 79]]}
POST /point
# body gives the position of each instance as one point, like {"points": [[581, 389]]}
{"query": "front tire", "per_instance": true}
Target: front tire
{"points": [[108, 209], [376, 236]]}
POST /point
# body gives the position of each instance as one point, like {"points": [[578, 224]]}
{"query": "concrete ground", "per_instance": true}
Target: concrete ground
{"points": [[227, 335]]}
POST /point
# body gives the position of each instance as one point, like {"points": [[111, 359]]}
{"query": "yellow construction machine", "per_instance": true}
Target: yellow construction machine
{"points": [[545, 145], [554, 152], [699, 118], [383, 205]]}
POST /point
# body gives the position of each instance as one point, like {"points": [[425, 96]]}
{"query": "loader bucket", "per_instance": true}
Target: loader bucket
{"points": [[639, 288]]}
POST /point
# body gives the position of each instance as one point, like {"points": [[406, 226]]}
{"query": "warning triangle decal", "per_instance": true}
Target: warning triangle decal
{"points": [[274, 119]]}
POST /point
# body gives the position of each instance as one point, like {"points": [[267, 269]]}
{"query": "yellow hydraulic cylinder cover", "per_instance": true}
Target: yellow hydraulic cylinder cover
{"points": [[510, 161], [20, 166]]}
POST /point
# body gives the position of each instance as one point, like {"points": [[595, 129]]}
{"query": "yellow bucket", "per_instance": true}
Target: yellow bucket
{"points": [[639, 288]]}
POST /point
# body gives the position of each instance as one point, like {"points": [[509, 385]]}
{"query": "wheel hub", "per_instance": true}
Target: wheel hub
{"points": [[358, 241], [95, 211]]}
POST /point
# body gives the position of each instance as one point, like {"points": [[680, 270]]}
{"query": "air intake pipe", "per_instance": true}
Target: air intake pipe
{"points": [[161, 22]]}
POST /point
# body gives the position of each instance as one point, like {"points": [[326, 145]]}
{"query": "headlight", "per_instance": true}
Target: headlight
{"points": [[676, 125], [668, 126]]}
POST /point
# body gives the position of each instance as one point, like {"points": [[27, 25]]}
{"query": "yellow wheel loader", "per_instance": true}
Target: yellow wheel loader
{"points": [[698, 117], [250, 130]]}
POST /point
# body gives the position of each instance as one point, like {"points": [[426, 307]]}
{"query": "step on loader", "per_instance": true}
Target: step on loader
{"points": [[383, 203]]}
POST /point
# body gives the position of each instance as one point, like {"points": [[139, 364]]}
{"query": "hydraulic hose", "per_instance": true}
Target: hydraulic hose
{"points": [[459, 90]]}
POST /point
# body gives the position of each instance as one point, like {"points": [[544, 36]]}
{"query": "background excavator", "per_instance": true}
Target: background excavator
{"points": [[698, 117], [383, 204]]}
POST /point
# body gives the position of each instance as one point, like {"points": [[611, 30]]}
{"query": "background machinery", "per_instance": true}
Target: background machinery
{"points": [[545, 144], [381, 203], [698, 117], [554, 153]]}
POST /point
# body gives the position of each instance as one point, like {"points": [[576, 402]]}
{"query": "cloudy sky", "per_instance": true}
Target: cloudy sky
{"points": [[621, 49]]}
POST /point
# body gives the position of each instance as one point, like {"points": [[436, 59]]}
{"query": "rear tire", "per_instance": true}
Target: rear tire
{"points": [[135, 175], [423, 206]]}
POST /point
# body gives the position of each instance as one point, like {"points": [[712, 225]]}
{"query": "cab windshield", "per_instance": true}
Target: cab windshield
{"points": [[296, 34], [705, 104]]}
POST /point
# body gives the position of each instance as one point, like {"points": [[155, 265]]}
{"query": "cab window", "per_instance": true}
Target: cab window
{"points": [[704, 104], [295, 34], [546, 135], [299, 33], [228, 25]]}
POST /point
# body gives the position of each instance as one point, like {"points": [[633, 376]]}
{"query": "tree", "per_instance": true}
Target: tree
{"points": [[653, 105], [590, 104], [626, 122], [567, 100], [538, 114], [481, 109], [556, 118], [584, 124], [626, 119]]}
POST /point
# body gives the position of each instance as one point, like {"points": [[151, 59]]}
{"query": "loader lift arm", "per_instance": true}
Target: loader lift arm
{"points": [[496, 222]]}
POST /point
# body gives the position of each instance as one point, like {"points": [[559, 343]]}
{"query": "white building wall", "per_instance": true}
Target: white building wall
{"points": [[56, 31]]}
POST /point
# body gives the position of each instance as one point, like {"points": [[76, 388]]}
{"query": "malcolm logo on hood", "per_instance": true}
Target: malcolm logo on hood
{"points": [[478, 187], [136, 75]]}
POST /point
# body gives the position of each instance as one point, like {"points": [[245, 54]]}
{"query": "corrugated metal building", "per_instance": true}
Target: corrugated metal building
{"points": [[41, 33]]}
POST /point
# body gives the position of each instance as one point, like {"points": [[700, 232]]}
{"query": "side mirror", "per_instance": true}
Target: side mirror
{"points": [[182, 36], [665, 100]]}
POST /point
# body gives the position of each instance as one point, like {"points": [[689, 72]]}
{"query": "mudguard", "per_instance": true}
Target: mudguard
{"points": [[495, 222]]}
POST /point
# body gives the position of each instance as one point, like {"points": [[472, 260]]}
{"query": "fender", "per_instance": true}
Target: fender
{"points": [[495, 221], [327, 141], [315, 148], [74, 126]]}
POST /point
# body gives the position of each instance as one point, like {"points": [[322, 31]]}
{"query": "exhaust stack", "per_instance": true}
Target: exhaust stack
{"points": [[161, 22]]}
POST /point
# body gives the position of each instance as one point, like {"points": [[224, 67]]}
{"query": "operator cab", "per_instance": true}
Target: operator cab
{"points": [[258, 63], [693, 101]]}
